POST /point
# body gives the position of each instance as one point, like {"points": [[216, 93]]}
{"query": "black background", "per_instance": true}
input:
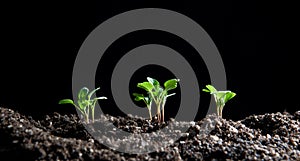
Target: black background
{"points": [[257, 41]]}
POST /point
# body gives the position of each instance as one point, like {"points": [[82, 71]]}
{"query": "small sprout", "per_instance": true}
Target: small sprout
{"points": [[221, 97], [85, 102], [157, 94], [147, 100]]}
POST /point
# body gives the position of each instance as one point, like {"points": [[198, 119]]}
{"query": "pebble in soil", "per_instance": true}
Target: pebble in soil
{"points": [[272, 136]]}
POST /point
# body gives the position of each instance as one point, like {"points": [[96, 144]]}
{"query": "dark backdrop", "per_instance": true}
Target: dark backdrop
{"points": [[257, 42]]}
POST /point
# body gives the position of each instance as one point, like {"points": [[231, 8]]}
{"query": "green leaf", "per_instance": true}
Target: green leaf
{"points": [[138, 96], [159, 92], [148, 101], [83, 104], [82, 95], [92, 92], [146, 86], [93, 101], [172, 94], [220, 94], [171, 84], [205, 90], [101, 98], [229, 96], [210, 89], [156, 86], [66, 101], [153, 81]]}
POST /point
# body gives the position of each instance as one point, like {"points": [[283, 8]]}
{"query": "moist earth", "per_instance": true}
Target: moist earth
{"points": [[272, 136]]}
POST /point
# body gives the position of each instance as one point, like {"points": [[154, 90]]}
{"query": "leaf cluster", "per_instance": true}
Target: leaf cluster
{"points": [[221, 97], [156, 94], [85, 102]]}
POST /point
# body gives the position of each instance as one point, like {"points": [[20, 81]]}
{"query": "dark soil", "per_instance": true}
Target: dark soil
{"points": [[64, 137]]}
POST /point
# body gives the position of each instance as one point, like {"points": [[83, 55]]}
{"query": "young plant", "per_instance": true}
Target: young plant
{"points": [[157, 94], [85, 103], [147, 100], [221, 97]]}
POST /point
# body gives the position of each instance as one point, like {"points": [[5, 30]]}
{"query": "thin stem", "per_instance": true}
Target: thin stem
{"points": [[86, 118], [157, 106], [93, 115], [163, 99], [163, 108], [153, 97], [163, 114], [158, 112], [149, 110], [88, 111], [93, 111], [78, 108], [221, 111]]}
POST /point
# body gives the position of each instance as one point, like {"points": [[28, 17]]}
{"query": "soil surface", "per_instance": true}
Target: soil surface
{"points": [[272, 136]]}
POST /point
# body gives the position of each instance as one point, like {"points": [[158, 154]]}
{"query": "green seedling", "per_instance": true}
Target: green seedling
{"points": [[147, 100], [157, 94], [221, 97], [85, 103]]}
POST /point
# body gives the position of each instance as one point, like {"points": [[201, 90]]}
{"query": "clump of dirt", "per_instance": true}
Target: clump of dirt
{"points": [[64, 137]]}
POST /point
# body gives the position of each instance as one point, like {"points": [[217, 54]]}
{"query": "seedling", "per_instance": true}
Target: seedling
{"points": [[85, 103], [157, 94], [147, 100], [221, 97]]}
